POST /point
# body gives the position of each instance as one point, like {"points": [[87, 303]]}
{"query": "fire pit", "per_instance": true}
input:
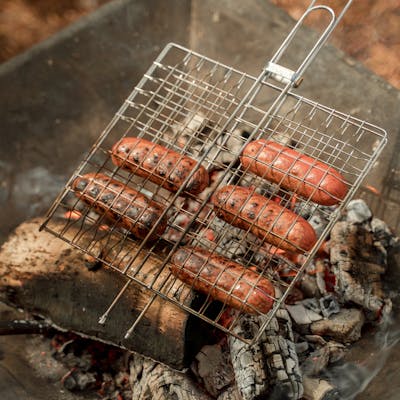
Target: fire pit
{"points": [[327, 304], [200, 149]]}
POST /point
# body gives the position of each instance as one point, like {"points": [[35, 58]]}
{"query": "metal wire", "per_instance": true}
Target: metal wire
{"points": [[208, 111]]}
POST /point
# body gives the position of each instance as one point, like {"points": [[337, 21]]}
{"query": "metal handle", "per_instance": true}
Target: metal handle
{"points": [[286, 75]]}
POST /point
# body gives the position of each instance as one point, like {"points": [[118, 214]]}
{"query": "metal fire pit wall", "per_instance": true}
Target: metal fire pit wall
{"points": [[234, 108]]}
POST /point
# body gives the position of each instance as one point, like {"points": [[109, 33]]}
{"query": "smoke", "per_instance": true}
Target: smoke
{"points": [[353, 378], [33, 191]]}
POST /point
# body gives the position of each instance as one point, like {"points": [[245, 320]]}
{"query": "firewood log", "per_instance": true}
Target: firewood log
{"points": [[47, 277]]}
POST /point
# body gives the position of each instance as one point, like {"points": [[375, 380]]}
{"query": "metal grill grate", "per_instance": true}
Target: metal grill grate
{"points": [[209, 112]]}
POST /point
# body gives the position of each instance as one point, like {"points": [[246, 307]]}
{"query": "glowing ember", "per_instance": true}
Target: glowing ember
{"points": [[72, 215], [372, 189]]}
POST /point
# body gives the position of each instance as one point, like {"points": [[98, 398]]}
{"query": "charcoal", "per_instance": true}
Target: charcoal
{"points": [[318, 360], [329, 305], [383, 235], [214, 369], [302, 314], [77, 380], [344, 326], [269, 363], [358, 212], [319, 389], [358, 266]]}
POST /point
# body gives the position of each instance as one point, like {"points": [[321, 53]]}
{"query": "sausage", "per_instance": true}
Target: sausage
{"points": [[267, 220], [223, 279], [294, 171], [160, 165], [120, 204]]}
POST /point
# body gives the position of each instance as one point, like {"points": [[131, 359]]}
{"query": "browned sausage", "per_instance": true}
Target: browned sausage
{"points": [[294, 171], [160, 165], [243, 208], [122, 205], [223, 279]]}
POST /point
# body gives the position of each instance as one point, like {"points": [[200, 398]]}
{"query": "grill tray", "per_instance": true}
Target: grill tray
{"points": [[209, 112]]}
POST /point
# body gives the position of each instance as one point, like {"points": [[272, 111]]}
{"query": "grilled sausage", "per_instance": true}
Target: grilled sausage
{"points": [[243, 208], [294, 171], [160, 165], [223, 279], [122, 205]]}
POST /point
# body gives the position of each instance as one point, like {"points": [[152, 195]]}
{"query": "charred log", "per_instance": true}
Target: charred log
{"points": [[358, 265], [46, 277], [24, 327], [270, 363]]}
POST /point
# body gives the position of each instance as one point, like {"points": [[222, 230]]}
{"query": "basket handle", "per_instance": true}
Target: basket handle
{"points": [[286, 75]]}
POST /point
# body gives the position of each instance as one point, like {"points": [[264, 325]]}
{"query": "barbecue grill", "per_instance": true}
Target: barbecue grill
{"points": [[208, 111]]}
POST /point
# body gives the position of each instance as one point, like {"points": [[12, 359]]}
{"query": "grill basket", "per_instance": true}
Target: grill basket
{"points": [[209, 112]]}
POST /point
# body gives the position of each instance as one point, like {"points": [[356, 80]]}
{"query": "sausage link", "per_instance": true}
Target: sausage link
{"points": [[223, 279], [122, 205], [244, 209], [294, 171], [160, 165]]}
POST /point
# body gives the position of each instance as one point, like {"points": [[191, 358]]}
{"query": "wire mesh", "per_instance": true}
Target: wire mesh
{"points": [[202, 109]]}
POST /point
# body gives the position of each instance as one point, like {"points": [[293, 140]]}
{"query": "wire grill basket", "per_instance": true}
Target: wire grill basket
{"points": [[209, 111]]}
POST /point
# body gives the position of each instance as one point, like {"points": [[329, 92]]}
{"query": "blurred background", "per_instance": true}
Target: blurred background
{"points": [[370, 31]]}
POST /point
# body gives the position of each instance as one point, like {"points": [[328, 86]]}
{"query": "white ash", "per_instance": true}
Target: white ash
{"points": [[213, 369], [224, 239], [195, 133], [306, 208], [271, 363], [302, 314], [319, 389], [312, 304], [317, 215], [262, 186], [151, 380], [358, 212], [383, 235], [264, 256], [344, 326], [318, 223]]}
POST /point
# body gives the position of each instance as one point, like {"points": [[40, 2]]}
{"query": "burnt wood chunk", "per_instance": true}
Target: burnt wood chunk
{"points": [[344, 327], [154, 381], [47, 277], [270, 367], [319, 389], [358, 264], [213, 369]]}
